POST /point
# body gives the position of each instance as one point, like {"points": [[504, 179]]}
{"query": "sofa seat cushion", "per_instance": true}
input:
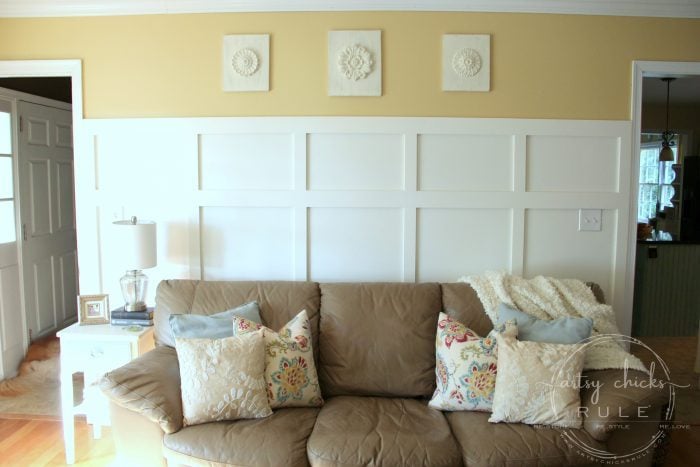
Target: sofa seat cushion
{"points": [[278, 440], [354, 430], [486, 444]]}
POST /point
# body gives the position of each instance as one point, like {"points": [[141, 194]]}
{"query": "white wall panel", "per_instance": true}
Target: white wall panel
{"points": [[573, 163], [457, 242], [247, 162], [355, 162], [247, 243], [357, 199], [355, 244], [465, 162], [135, 162], [555, 247], [174, 227]]}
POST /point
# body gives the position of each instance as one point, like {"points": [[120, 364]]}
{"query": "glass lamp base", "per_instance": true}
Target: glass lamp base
{"points": [[134, 284]]}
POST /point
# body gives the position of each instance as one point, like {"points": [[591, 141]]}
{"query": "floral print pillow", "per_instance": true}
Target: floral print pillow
{"points": [[290, 372], [465, 365]]}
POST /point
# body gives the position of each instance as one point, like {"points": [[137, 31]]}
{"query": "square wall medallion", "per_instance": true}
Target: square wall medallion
{"points": [[466, 62], [246, 62], [354, 63]]}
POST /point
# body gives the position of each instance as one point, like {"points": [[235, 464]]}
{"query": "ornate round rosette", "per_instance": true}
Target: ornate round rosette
{"points": [[355, 62], [245, 62], [466, 62]]}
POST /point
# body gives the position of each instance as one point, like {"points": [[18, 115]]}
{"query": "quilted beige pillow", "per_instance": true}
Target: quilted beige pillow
{"points": [[537, 383], [222, 379], [290, 372]]}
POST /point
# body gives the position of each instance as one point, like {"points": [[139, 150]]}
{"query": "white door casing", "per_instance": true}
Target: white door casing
{"points": [[49, 253]]}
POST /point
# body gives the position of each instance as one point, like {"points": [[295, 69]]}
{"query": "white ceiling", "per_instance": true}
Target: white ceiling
{"points": [[684, 90], [659, 8]]}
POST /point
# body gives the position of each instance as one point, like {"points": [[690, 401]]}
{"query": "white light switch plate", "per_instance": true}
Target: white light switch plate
{"points": [[590, 220]]}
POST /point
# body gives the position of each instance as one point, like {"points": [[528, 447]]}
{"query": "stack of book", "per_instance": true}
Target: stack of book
{"points": [[121, 317]]}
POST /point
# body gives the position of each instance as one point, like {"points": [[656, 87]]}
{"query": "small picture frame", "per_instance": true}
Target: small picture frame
{"points": [[94, 309]]}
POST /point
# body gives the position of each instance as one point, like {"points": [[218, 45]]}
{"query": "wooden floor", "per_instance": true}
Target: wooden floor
{"points": [[40, 442]]}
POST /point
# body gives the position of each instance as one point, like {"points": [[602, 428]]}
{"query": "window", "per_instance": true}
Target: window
{"points": [[7, 202], [654, 178]]}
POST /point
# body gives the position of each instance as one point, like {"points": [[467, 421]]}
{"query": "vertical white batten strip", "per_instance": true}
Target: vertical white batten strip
{"points": [[410, 220], [300, 217], [517, 253], [194, 218]]}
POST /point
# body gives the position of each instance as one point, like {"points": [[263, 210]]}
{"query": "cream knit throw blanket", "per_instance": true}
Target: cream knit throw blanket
{"points": [[549, 298]]}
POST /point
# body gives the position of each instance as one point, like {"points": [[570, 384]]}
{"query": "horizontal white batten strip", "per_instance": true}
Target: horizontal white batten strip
{"points": [[372, 199], [355, 125], [660, 8]]}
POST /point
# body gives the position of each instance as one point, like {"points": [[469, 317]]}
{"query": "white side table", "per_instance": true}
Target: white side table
{"points": [[94, 350]]}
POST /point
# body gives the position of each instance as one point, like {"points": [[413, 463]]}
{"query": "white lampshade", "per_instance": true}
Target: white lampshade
{"points": [[135, 240]]}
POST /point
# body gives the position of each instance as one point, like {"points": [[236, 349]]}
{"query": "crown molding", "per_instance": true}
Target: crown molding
{"points": [[49, 8]]}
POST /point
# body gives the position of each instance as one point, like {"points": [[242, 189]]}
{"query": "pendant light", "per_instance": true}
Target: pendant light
{"points": [[666, 154]]}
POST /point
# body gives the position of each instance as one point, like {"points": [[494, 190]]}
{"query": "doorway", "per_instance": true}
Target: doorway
{"points": [[665, 261], [662, 271], [42, 201]]}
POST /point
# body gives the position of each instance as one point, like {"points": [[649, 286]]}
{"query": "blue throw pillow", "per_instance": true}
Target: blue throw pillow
{"points": [[556, 331], [214, 326]]}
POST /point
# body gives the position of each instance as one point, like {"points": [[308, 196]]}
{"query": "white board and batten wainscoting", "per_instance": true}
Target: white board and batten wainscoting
{"points": [[358, 198]]}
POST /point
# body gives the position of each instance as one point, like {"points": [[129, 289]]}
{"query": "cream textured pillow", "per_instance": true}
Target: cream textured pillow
{"points": [[222, 379], [538, 383], [290, 372], [465, 366]]}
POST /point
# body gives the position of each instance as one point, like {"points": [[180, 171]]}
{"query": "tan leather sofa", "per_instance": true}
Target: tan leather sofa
{"points": [[375, 351]]}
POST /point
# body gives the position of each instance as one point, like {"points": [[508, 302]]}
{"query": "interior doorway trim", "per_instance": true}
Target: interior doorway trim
{"points": [[640, 70], [50, 68]]}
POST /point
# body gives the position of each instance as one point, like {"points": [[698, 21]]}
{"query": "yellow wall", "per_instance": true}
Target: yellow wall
{"points": [[543, 66]]}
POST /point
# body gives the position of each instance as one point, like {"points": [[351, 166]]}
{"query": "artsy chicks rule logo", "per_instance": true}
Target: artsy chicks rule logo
{"points": [[604, 407]]}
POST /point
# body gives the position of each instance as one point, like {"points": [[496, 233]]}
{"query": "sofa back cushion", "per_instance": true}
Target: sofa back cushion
{"points": [[378, 339], [462, 304], [279, 301]]}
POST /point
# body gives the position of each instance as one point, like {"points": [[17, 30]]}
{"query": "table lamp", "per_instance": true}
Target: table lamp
{"points": [[136, 243]]}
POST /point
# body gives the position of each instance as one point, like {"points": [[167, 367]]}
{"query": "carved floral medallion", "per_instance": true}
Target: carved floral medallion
{"points": [[466, 62], [245, 62], [355, 62]]}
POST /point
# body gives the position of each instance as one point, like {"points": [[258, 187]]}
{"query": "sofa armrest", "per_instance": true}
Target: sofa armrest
{"points": [[150, 386], [608, 404]]}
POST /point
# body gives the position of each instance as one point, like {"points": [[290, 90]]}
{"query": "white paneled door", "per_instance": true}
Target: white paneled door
{"points": [[49, 261]]}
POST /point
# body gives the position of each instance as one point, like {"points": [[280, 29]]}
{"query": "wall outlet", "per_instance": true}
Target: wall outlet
{"points": [[590, 220]]}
